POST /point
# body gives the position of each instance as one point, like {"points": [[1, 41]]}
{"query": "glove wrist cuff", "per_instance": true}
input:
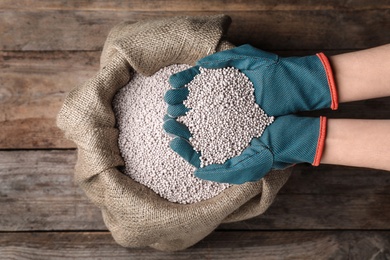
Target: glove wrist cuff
{"points": [[321, 141], [331, 81]]}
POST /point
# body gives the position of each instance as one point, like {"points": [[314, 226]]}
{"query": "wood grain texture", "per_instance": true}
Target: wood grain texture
{"points": [[192, 5], [48, 47], [219, 245], [33, 86], [273, 30], [39, 193]]}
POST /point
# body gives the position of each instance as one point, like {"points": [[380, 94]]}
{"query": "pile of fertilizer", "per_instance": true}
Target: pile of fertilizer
{"points": [[139, 109], [223, 119], [224, 116]]}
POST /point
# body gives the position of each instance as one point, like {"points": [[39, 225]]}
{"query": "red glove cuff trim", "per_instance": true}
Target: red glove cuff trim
{"points": [[331, 81], [321, 141]]}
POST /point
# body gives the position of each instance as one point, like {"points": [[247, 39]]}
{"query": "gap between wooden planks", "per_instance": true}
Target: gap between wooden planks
{"points": [[219, 245], [77, 30]]}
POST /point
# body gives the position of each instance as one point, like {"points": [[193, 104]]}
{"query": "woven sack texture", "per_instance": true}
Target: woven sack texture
{"points": [[135, 215]]}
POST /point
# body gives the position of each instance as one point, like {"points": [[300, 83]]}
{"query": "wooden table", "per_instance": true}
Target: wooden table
{"points": [[50, 46]]}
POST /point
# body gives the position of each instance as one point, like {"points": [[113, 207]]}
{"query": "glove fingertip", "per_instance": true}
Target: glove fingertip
{"points": [[177, 110], [176, 96], [172, 127], [223, 58], [182, 78], [185, 150]]}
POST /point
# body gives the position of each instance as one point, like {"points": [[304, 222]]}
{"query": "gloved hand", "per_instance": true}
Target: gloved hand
{"points": [[288, 140], [282, 85]]}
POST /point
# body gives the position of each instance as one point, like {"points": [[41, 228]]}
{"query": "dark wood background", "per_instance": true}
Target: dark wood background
{"points": [[48, 47]]}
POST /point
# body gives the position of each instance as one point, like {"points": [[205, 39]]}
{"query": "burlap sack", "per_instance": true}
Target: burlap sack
{"points": [[134, 214]]}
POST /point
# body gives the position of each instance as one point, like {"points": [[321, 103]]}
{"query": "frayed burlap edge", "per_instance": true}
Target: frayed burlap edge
{"points": [[134, 214]]}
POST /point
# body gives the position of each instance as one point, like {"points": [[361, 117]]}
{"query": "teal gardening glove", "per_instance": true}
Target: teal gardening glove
{"points": [[282, 86], [287, 141]]}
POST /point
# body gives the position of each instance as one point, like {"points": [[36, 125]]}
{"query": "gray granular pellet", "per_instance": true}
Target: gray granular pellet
{"points": [[223, 116], [139, 108]]}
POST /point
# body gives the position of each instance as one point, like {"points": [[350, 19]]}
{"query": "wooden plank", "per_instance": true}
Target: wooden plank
{"points": [[37, 193], [191, 5], [308, 211], [337, 180], [327, 197], [219, 245], [32, 133], [273, 30], [33, 87]]}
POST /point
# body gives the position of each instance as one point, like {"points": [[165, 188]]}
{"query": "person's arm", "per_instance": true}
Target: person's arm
{"points": [[356, 142], [362, 74]]}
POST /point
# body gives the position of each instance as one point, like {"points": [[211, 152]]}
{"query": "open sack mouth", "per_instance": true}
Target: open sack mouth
{"points": [[136, 215]]}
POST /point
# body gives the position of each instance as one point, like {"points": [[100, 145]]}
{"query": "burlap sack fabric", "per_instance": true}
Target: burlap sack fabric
{"points": [[134, 214]]}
